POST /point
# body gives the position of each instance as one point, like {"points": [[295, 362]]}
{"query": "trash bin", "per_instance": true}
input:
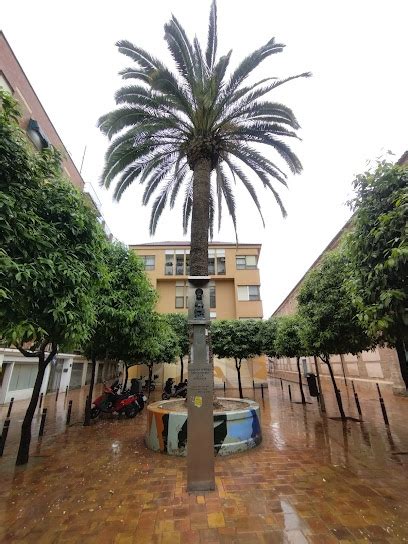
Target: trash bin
{"points": [[312, 383]]}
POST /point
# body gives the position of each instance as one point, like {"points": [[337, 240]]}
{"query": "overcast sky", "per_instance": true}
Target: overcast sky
{"points": [[353, 110]]}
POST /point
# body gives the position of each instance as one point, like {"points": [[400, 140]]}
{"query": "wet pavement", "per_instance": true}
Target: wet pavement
{"points": [[313, 479]]}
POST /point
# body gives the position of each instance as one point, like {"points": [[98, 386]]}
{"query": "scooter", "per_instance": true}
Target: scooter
{"points": [[110, 402]]}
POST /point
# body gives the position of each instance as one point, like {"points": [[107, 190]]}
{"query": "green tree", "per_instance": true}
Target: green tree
{"points": [[124, 309], [330, 323], [51, 245], [289, 342], [179, 324], [268, 336], [378, 247], [238, 339], [176, 129], [161, 346]]}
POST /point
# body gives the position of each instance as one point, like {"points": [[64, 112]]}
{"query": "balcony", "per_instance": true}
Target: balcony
{"points": [[92, 197]]}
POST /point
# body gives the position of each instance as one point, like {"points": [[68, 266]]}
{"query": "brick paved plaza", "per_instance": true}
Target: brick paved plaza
{"points": [[311, 480]]}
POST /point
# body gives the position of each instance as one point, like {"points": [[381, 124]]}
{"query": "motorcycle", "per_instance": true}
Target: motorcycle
{"points": [[152, 383], [177, 391], [110, 402]]}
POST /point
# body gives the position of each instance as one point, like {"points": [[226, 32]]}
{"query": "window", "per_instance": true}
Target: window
{"points": [[213, 315], [216, 262], [179, 265], [245, 262], [4, 84], [177, 262], [149, 261], [248, 292], [168, 266], [213, 301], [181, 294]]}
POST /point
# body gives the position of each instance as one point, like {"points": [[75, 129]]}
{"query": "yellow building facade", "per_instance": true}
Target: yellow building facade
{"points": [[234, 294]]}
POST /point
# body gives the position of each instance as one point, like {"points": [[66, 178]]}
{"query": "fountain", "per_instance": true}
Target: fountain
{"points": [[236, 426]]}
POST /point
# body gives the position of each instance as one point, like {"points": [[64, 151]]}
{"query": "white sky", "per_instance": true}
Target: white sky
{"points": [[354, 108]]}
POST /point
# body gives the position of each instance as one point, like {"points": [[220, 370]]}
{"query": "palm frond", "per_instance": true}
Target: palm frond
{"points": [[180, 49], [247, 184], [188, 205], [180, 173], [211, 51], [129, 175], [159, 174], [250, 63], [158, 207], [211, 215], [230, 202]]}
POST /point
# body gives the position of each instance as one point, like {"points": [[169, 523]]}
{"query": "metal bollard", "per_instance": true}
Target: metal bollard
{"points": [[10, 407], [69, 412], [42, 424], [224, 387], [290, 393], [383, 409], [253, 384], [357, 401], [41, 399], [262, 393], [281, 383], [3, 437], [56, 396]]}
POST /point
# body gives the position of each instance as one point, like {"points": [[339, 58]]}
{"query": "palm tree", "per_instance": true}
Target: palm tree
{"points": [[196, 126]]}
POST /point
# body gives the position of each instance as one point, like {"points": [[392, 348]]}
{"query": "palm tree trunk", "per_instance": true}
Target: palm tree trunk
{"points": [[200, 218], [300, 380]]}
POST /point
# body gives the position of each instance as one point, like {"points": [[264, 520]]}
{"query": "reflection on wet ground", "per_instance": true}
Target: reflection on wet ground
{"points": [[313, 479]]}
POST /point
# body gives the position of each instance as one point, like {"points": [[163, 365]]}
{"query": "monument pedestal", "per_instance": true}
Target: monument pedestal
{"points": [[200, 421]]}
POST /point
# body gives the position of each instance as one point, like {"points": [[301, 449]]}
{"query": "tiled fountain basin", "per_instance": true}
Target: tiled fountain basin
{"points": [[236, 426]]}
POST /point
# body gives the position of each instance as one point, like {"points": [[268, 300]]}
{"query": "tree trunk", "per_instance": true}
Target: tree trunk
{"points": [[126, 377], [182, 368], [321, 396], [402, 359], [300, 381], [238, 367], [150, 366], [200, 219], [25, 439], [326, 359], [87, 420]]}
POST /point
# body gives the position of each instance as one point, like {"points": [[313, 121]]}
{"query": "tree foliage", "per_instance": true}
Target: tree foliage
{"points": [[378, 247], [51, 244], [268, 336], [50, 255], [289, 341], [168, 121], [330, 323], [238, 339], [179, 323], [124, 306]]}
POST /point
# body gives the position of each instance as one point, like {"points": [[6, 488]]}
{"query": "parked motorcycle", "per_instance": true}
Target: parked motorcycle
{"points": [[110, 402], [152, 383], [177, 391]]}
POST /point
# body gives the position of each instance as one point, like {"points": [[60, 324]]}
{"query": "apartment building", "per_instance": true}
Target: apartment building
{"points": [[17, 373], [234, 294]]}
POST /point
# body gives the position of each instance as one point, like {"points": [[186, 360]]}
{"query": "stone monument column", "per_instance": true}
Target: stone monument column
{"points": [[200, 422]]}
